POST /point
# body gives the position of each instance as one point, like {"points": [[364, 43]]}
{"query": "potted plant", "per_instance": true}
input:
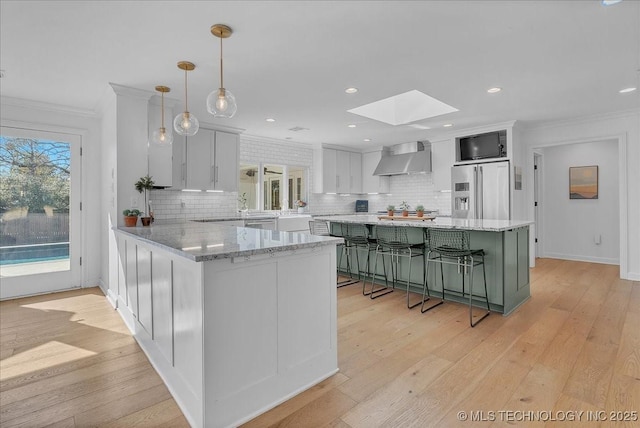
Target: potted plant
{"points": [[420, 210], [404, 206], [130, 217], [242, 200], [301, 204], [144, 185], [390, 210]]}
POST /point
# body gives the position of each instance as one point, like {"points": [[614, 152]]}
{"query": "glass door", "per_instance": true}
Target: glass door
{"points": [[39, 212]]}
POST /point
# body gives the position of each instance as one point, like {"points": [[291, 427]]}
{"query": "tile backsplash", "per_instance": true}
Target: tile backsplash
{"points": [[415, 189]]}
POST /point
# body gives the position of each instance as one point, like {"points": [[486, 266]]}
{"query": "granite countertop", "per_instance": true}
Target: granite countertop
{"points": [[210, 241], [438, 222]]}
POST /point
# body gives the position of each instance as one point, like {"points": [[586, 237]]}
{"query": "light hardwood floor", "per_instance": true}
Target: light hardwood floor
{"points": [[68, 360]]}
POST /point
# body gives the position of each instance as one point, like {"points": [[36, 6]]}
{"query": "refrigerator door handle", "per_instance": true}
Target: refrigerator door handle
{"points": [[479, 194]]}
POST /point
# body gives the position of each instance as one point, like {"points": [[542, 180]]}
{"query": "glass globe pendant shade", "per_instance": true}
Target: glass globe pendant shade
{"points": [[186, 124], [161, 137], [221, 103]]}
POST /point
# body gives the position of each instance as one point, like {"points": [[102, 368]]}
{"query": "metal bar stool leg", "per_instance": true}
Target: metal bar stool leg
{"points": [[425, 289], [471, 294]]}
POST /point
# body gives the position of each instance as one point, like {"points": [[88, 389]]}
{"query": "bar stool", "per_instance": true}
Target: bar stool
{"points": [[394, 243], [426, 294], [339, 230], [358, 239], [452, 247]]}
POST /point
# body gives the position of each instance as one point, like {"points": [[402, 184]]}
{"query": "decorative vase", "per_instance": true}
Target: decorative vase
{"points": [[420, 213], [130, 220], [146, 221], [300, 210], [405, 213]]}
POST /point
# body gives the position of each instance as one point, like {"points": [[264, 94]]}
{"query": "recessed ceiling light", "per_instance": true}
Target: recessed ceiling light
{"points": [[627, 90], [270, 119], [367, 139], [610, 2], [448, 125], [494, 90], [351, 125], [351, 90]]}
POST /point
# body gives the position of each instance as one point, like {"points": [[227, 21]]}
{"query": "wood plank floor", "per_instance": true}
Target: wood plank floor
{"points": [[69, 361]]}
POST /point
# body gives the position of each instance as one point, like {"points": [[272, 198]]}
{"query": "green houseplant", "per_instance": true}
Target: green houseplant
{"points": [[130, 217], [390, 210], [404, 206], [144, 185], [420, 210]]}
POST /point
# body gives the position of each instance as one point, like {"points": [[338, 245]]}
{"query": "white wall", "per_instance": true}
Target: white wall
{"points": [[625, 129], [572, 227], [56, 118]]}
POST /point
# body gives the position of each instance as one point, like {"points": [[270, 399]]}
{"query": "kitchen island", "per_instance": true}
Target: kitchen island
{"points": [[235, 320], [506, 246]]}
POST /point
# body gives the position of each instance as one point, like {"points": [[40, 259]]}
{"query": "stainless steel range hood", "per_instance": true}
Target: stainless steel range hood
{"points": [[407, 158]]}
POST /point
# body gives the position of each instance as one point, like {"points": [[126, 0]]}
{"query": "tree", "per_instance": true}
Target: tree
{"points": [[34, 173]]}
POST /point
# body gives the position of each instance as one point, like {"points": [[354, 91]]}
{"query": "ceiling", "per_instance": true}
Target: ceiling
{"points": [[292, 61]]}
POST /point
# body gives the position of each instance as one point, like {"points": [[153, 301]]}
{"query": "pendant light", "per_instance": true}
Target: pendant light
{"points": [[160, 136], [186, 123], [221, 102]]}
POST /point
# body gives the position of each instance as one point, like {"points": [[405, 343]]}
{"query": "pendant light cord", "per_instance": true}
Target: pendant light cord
{"points": [[221, 74], [162, 108], [186, 108]]}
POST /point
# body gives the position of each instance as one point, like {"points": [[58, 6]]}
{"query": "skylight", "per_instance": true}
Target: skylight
{"points": [[404, 108]]}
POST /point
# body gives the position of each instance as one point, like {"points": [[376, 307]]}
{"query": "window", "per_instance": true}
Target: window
{"points": [[264, 187]]}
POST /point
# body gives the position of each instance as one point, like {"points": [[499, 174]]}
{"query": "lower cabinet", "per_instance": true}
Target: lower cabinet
{"points": [[232, 338]]}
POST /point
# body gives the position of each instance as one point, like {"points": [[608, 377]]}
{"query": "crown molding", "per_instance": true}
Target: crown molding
{"points": [[50, 107], [259, 139], [156, 100], [131, 92], [582, 119], [222, 128]]}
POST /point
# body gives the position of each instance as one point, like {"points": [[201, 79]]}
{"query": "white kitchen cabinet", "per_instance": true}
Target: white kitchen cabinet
{"points": [[442, 159], [373, 183], [338, 171], [166, 163], [145, 311], [212, 161], [355, 171]]}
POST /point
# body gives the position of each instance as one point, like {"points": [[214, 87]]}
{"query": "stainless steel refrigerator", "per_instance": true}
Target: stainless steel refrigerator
{"points": [[481, 191]]}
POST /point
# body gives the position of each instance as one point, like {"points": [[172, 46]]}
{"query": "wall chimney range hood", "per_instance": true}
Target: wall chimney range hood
{"points": [[406, 158]]}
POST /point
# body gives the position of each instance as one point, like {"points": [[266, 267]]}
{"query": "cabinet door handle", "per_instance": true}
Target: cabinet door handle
{"points": [[216, 174], [182, 168], [337, 181], [212, 174]]}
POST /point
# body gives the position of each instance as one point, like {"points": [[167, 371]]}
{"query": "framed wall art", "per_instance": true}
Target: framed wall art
{"points": [[583, 182]]}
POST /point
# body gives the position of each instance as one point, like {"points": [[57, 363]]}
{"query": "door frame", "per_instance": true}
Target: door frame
{"points": [[621, 140], [77, 248]]}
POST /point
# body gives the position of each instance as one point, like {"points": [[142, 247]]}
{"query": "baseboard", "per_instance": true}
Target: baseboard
{"points": [[578, 258], [633, 276]]}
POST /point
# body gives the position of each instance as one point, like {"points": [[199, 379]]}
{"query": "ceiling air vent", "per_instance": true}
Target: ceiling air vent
{"points": [[298, 128]]}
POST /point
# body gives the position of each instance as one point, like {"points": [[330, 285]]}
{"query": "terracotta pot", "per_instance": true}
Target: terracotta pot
{"points": [[405, 213], [130, 220], [146, 221], [420, 213], [390, 213]]}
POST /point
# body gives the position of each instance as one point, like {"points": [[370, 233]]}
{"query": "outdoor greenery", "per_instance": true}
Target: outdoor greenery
{"points": [[34, 174]]}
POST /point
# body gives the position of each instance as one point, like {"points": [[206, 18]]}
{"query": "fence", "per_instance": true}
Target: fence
{"points": [[36, 228]]}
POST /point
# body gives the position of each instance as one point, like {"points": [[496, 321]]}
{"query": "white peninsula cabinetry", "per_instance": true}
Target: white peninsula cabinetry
{"points": [[337, 171], [235, 320]]}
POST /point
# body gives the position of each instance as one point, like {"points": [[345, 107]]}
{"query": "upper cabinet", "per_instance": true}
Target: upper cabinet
{"points": [[337, 171], [212, 161], [443, 155], [373, 183], [165, 162]]}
